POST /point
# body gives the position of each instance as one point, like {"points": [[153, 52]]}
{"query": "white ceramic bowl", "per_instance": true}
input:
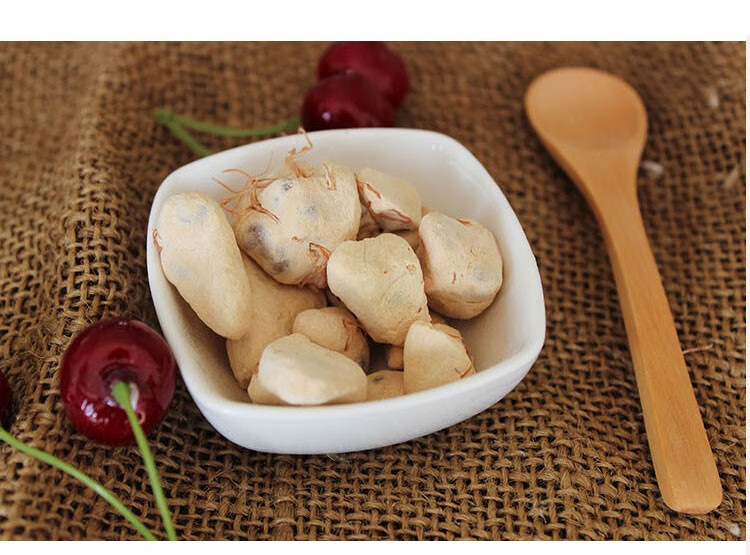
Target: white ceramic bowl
{"points": [[505, 340]]}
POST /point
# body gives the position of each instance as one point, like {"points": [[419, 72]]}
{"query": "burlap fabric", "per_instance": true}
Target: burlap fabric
{"points": [[563, 456]]}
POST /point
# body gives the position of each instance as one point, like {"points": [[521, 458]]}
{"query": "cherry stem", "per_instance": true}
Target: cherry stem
{"points": [[178, 131], [121, 393], [177, 123], [107, 495]]}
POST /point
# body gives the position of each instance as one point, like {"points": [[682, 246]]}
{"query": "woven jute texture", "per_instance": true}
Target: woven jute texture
{"points": [[563, 456]]}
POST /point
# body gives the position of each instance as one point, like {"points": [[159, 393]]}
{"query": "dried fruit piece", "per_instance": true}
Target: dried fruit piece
{"points": [[302, 220], [271, 316], [380, 281], [393, 202], [434, 354], [394, 354], [394, 357], [200, 257], [300, 372], [462, 265], [260, 395], [337, 329], [385, 384], [368, 227], [333, 300], [411, 236]]}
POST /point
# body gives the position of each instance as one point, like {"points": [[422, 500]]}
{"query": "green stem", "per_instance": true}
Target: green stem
{"points": [[121, 393], [178, 131], [77, 474], [177, 124], [164, 116]]}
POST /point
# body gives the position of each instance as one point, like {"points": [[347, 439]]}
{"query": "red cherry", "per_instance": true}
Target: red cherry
{"points": [[373, 60], [6, 401], [342, 101], [100, 356]]}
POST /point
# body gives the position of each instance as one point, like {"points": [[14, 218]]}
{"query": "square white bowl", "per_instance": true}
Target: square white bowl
{"points": [[504, 340]]}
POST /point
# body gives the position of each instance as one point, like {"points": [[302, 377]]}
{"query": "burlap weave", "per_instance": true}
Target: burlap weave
{"points": [[563, 456]]}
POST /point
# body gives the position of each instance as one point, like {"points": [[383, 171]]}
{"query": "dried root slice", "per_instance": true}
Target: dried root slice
{"points": [[393, 202], [200, 257], [336, 329], [300, 372], [385, 384], [270, 316], [463, 269], [380, 281], [434, 355]]}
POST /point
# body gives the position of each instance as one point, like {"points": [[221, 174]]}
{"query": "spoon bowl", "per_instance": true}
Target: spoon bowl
{"points": [[591, 122], [588, 109]]}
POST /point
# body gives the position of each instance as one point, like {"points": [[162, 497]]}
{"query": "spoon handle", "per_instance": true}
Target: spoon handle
{"points": [[682, 458]]}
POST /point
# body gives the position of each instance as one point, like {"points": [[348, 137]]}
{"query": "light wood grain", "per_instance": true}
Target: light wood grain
{"points": [[595, 125]]}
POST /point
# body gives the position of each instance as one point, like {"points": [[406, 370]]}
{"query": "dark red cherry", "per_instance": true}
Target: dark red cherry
{"points": [[372, 60], [6, 401], [100, 356], [342, 101]]}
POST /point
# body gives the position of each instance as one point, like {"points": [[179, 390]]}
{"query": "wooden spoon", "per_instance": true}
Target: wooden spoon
{"points": [[594, 124]]}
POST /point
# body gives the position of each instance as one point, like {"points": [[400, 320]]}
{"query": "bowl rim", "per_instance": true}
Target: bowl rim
{"points": [[508, 370]]}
